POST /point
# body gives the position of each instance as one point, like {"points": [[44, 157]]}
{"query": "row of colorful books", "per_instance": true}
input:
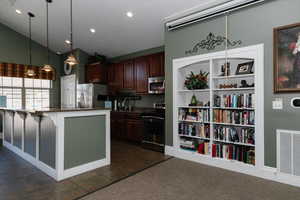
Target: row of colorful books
{"points": [[234, 152], [190, 129], [235, 134], [233, 117], [194, 114], [246, 100], [203, 148]]}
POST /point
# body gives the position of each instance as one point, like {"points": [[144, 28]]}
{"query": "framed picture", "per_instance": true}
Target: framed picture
{"points": [[245, 68], [287, 58]]}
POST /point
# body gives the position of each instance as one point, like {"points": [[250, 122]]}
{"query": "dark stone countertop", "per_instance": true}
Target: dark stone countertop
{"points": [[47, 110]]}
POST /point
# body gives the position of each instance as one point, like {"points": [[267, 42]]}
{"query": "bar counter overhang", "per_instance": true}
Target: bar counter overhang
{"points": [[60, 142]]}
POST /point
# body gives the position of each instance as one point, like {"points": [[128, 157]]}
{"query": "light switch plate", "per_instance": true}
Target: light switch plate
{"points": [[277, 104]]}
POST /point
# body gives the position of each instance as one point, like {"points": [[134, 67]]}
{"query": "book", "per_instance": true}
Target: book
{"points": [[245, 100], [238, 117], [234, 152]]}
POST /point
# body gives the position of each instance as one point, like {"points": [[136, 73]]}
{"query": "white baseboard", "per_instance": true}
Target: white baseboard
{"points": [[268, 173], [83, 168]]}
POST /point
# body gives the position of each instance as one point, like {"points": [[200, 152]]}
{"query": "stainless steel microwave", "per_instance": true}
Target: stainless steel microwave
{"points": [[156, 85]]}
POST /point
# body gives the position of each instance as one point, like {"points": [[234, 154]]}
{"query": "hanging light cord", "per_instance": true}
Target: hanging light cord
{"points": [[29, 14], [48, 51], [71, 33], [30, 56]]}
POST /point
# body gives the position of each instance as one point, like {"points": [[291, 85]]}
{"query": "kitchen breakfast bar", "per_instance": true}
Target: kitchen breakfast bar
{"points": [[60, 142]]}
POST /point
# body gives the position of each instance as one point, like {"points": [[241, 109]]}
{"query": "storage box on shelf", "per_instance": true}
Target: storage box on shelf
{"points": [[222, 127]]}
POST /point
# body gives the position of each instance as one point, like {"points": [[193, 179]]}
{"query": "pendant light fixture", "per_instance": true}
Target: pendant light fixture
{"points": [[30, 72], [71, 60], [47, 67]]}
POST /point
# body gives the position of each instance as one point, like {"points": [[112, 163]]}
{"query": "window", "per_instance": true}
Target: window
{"points": [[25, 93]]}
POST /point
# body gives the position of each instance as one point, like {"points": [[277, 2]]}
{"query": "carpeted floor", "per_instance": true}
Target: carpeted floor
{"points": [[177, 179]]}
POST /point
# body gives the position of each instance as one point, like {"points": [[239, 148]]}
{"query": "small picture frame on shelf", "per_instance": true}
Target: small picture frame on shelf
{"points": [[245, 68]]}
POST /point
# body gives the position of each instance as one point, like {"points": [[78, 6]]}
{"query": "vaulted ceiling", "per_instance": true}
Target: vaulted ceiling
{"points": [[116, 34]]}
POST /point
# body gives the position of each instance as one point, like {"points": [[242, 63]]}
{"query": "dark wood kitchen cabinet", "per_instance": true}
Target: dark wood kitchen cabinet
{"points": [[111, 79], [96, 73], [157, 64], [134, 73], [134, 130], [129, 74], [127, 126], [119, 75], [141, 74], [117, 125]]}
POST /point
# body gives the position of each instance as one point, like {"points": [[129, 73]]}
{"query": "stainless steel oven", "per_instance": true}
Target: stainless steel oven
{"points": [[156, 85]]}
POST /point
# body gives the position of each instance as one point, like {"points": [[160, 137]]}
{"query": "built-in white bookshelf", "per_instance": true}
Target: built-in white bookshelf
{"points": [[227, 124]]}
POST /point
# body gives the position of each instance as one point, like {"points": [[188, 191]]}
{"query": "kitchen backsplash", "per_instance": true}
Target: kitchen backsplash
{"points": [[148, 100]]}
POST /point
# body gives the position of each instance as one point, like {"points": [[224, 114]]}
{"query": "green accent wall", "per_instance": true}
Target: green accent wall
{"points": [[253, 25], [84, 140], [137, 54], [14, 49]]}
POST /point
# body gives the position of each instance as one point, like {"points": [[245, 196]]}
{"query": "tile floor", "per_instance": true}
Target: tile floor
{"points": [[20, 180]]}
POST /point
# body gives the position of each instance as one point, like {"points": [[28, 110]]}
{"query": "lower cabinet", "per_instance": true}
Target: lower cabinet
{"points": [[127, 126], [134, 130], [117, 125]]}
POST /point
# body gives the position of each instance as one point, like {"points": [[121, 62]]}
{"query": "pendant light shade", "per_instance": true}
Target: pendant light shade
{"points": [[30, 72], [47, 67], [71, 60]]}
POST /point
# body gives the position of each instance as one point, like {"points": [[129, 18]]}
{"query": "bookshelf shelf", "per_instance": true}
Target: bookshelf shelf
{"points": [[200, 107], [236, 143], [197, 137], [190, 152], [236, 162], [192, 121], [237, 105], [234, 89], [235, 76], [230, 108], [228, 124], [188, 91]]}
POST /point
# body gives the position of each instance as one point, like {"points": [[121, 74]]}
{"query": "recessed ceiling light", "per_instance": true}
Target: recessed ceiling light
{"points": [[129, 14], [58, 52], [68, 41], [93, 30], [18, 11]]}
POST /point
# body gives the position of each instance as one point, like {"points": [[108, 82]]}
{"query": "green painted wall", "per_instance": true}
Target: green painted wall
{"points": [[252, 25], [84, 140], [137, 54], [14, 49]]}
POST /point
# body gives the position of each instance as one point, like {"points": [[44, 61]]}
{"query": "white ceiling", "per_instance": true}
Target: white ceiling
{"points": [[116, 34]]}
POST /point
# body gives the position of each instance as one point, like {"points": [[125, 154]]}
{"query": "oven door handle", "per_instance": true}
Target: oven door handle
{"points": [[153, 117]]}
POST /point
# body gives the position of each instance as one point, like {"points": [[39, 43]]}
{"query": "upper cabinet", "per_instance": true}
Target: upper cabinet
{"points": [[119, 75], [141, 74], [134, 73], [129, 74], [96, 73], [111, 77], [157, 65]]}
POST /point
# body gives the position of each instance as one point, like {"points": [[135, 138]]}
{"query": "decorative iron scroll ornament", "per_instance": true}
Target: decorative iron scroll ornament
{"points": [[211, 42]]}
